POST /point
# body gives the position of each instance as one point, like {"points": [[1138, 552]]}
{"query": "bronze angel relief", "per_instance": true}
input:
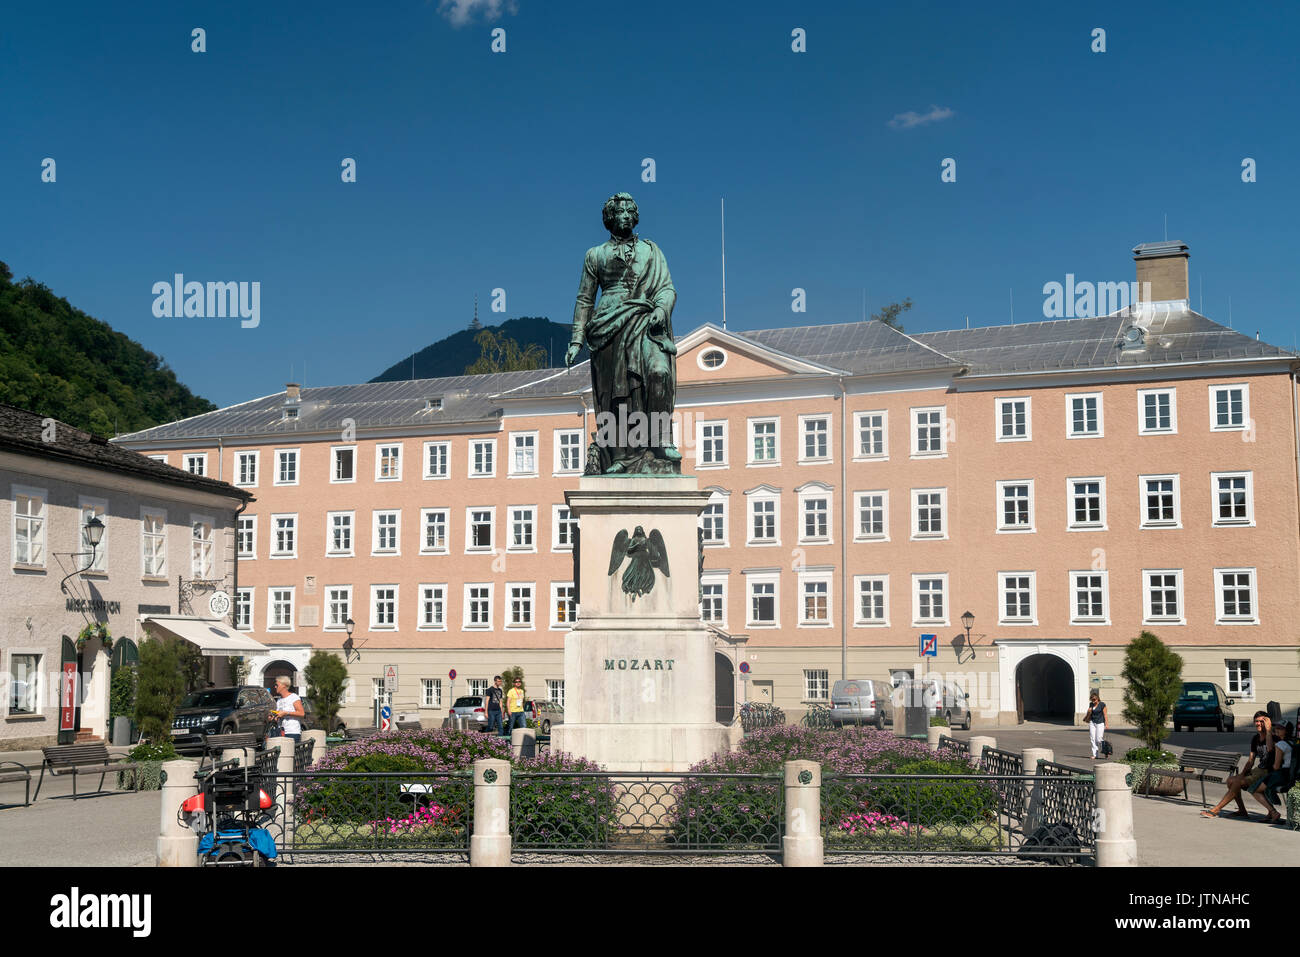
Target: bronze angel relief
{"points": [[644, 554]]}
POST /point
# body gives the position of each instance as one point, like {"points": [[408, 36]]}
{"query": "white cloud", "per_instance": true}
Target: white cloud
{"points": [[461, 12], [911, 118]]}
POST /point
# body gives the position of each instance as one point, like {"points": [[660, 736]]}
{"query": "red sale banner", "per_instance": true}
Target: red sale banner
{"points": [[68, 698]]}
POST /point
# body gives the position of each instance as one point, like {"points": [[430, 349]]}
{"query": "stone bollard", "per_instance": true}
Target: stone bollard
{"points": [[802, 844], [178, 845], [523, 743], [977, 745], [932, 735], [284, 766], [1030, 757], [240, 755], [1116, 843], [318, 749], [490, 844]]}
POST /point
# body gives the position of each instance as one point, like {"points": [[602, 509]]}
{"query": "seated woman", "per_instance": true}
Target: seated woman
{"points": [[1258, 763], [1266, 790]]}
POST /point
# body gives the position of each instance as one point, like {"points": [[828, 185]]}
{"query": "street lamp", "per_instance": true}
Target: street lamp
{"points": [[348, 650], [94, 535], [967, 620]]}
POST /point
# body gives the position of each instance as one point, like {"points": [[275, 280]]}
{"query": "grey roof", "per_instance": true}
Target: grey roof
{"points": [[24, 432], [1073, 344], [465, 398], [1169, 247], [858, 348]]}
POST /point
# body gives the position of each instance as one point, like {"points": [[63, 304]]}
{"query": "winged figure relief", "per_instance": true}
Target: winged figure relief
{"points": [[644, 554]]}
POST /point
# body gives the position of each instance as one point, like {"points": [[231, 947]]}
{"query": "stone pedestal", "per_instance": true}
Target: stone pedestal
{"points": [[639, 670]]}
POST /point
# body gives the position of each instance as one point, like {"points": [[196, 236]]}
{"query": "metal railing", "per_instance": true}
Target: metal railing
{"points": [[646, 813], [960, 748]]}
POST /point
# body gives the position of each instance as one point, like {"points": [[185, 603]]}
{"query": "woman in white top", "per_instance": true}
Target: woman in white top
{"points": [[288, 708], [1283, 750]]}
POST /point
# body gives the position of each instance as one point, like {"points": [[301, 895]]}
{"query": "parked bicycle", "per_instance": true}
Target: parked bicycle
{"points": [[818, 716], [761, 714]]}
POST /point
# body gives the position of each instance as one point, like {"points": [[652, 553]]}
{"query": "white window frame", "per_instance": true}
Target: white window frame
{"points": [[470, 547], [99, 509], [1215, 519], [715, 578], [1244, 691], [1070, 523], [270, 607], [1142, 502], [557, 438], [858, 454], [531, 547], [473, 453], [763, 578], [1001, 516], [430, 692], [751, 432], [556, 523], [160, 573], [858, 535], [1142, 411], [516, 438], [858, 620], [446, 460], [334, 464], [1073, 592], [1180, 597], [1029, 420], [330, 551], [425, 548], [917, 620], [826, 578], [256, 456], [211, 524], [275, 552], [723, 459], [914, 438], [816, 490], [552, 686], [30, 492], [375, 624], [814, 679], [1003, 619], [917, 535], [161, 457], [1245, 407], [243, 597], [39, 695], [251, 554], [804, 422], [491, 600], [297, 466], [1069, 416], [1220, 617], [329, 601], [423, 621], [375, 514], [510, 623], [555, 623], [380, 447], [719, 498], [201, 457], [763, 495]]}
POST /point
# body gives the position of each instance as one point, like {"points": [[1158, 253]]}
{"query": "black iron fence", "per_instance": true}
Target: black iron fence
{"points": [[959, 748], [337, 812], [646, 813]]}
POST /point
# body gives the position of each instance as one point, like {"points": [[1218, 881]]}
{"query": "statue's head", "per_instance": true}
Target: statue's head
{"points": [[616, 203]]}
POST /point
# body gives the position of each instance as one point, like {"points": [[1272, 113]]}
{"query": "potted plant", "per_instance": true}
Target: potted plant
{"points": [[94, 630], [1140, 760]]}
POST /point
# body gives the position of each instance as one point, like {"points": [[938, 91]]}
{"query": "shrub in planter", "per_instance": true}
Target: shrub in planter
{"points": [[150, 758], [938, 721], [1140, 759]]}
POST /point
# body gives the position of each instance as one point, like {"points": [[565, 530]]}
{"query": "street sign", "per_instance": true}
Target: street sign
{"points": [[390, 678], [219, 604], [744, 667], [452, 674], [385, 718], [930, 646]]}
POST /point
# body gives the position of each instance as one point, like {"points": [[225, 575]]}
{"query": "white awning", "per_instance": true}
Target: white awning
{"points": [[209, 635]]}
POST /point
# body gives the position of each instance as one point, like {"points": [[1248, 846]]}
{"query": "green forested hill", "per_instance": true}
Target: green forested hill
{"points": [[55, 360], [454, 354]]}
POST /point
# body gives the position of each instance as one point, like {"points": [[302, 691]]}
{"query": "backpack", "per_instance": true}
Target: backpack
{"points": [[1106, 748]]}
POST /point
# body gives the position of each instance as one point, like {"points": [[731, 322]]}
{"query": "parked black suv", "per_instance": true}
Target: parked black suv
{"points": [[221, 711]]}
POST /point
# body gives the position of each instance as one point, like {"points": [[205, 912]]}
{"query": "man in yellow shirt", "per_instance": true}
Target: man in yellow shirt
{"points": [[515, 706]]}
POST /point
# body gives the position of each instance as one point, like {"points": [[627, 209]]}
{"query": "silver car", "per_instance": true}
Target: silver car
{"points": [[474, 707], [940, 698], [862, 701]]}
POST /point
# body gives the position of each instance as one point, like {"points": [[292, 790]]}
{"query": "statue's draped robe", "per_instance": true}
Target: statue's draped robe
{"points": [[629, 365]]}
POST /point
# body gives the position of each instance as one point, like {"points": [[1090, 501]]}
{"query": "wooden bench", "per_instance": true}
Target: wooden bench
{"points": [[1195, 765], [357, 734], [78, 759], [12, 776], [214, 744]]}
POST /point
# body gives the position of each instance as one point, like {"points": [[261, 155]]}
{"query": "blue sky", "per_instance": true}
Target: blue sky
{"points": [[479, 170]]}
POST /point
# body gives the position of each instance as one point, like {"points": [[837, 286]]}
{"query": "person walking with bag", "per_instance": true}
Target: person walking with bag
{"points": [[1097, 724]]}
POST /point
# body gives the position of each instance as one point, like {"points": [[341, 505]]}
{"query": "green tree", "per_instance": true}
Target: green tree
{"points": [[159, 688], [890, 313], [500, 353], [1154, 675], [193, 666], [121, 693], [238, 665], [326, 681]]}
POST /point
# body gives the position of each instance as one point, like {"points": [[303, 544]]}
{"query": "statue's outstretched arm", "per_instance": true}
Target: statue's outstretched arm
{"points": [[588, 286]]}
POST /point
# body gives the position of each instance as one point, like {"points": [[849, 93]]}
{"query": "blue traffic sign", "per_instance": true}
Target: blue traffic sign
{"points": [[386, 712], [930, 646]]}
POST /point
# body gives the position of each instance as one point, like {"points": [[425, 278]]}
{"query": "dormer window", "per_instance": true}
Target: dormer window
{"points": [[433, 404], [712, 359], [290, 413]]}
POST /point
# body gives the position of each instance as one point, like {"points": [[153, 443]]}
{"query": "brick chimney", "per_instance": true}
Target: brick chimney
{"points": [[292, 392], [1162, 272]]}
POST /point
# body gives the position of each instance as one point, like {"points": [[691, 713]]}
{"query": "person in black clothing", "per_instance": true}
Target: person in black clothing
{"points": [[1258, 763], [1097, 724], [494, 696]]}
